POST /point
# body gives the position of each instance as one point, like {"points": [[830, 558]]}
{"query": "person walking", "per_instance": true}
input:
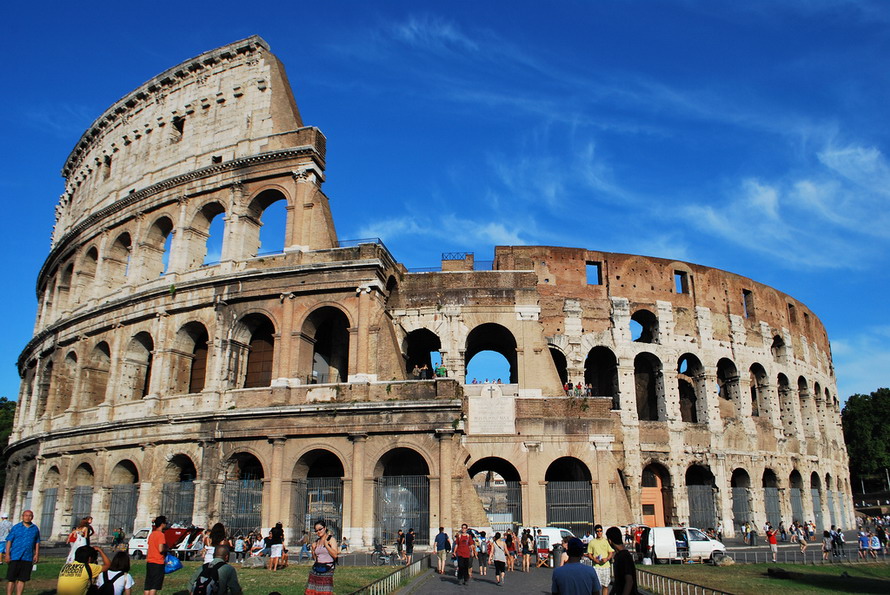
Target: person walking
{"points": [[409, 544], [5, 526], [499, 556], [218, 572], [600, 553], [465, 550], [624, 571], [482, 553], [22, 553], [154, 557], [442, 548], [574, 578]]}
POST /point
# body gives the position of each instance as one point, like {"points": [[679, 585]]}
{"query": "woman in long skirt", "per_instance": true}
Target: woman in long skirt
{"points": [[324, 556]]}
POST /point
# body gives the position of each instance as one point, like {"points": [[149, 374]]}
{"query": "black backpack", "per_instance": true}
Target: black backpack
{"points": [[208, 580], [107, 587]]}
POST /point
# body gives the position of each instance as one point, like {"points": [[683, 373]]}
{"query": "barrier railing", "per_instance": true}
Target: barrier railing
{"points": [[812, 556], [393, 581], [663, 585]]}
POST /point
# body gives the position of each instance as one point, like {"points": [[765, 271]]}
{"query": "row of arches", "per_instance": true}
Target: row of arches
{"points": [[170, 239]]}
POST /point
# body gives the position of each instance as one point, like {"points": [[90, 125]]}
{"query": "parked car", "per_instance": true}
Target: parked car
{"points": [[138, 544], [667, 544]]}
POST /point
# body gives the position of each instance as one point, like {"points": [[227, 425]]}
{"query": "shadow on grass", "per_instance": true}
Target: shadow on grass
{"points": [[842, 584]]}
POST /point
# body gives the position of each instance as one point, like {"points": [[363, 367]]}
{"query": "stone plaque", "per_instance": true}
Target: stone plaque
{"points": [[492, 412]]}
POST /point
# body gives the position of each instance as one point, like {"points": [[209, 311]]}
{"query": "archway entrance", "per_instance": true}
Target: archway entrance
{"points": [[82, 499], [402, 496], [653, 495], [771, 497], [569, 496], [422, 347], [700, 487], [796, 482], [496, 338], [124, 495], [178, 492], [327, 330], [50, 497], [498, 486], [741, 497], [318, 492], [241, 508], [816, 495]]}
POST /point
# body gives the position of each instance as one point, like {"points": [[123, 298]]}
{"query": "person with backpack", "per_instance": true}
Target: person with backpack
{"points": [[78, 576], [116, 580], [216, 577]]}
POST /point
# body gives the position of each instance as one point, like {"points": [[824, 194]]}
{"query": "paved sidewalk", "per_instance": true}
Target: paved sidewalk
{"points": [[536, 581]]}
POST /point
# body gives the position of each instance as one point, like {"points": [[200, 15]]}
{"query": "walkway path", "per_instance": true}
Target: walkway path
{"points": [[536, 581]]}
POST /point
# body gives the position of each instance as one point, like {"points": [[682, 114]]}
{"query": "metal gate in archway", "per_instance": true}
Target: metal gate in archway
{"points": [[741, 506], [502, 502], [50, 497], [702, 508], [570, 506], [241, 506], [318, 498], [831, 512], [402, 502], [123, 507], [817, 509], [771, 501], [178, 502], [797, 505], [81, 503]]}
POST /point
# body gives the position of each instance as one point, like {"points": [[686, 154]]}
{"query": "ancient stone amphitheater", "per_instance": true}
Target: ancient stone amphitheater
{"points": [[252, 388]]}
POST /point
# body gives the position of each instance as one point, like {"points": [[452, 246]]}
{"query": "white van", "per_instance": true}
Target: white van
{"points": [[555, 534], [138, 544], [681, 543]]}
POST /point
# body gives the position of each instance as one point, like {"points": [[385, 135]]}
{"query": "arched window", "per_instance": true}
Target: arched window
{"points": [[421, 348], [261, 352], [779, 350], [190, 358], [691, 386], [86, 275], [64, 387], [94, 375], [601, 373], [155, 248], [136, 371], [771, 497], [66, 299], [272, 240], [728, 389], [759, 390], [559, 361], [492, 337], [325, 353], [117, 261], [808, 411], [649, 385], [206, 234], [644, 327], [786, 405]]}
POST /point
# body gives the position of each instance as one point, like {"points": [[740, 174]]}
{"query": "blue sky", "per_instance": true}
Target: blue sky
{"points": [[749, 136]]}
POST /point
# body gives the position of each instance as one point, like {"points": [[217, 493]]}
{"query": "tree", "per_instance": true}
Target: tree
{"points": [[867, 432], [7, 418]]}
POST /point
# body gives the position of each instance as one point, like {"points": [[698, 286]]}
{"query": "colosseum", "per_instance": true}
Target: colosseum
{"points": [[251, 387]]}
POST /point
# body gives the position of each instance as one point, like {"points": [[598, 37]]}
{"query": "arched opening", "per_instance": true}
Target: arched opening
{"points": [[644, 327], [189, 359], [326, 336], [498, 486], [422, 351], [728, 389], [94, 375], [771, 497], [206, 235], [786, 406], [241, 506], [492, 337], [808, 414], [117, 261], [779, 350], [178, 491], [702, 504], [256, 220], [759, 390], [741, 498], [655, 495], [569, 495], [124, 496], [649, 385], [402, 495], [154, 250], [82, 497], [66, 375], [601, 373], [560, 363], [260, 351], [44, 386], [51, 482], [816, 496], [64, 288], [796, 482], [318, 492], [86, 274], [691, 386], [49, 295], [136, 371]]}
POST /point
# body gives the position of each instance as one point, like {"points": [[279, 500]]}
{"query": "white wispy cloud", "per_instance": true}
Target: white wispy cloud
{"points": [[432, 33], [448, 228], [862, 361]]}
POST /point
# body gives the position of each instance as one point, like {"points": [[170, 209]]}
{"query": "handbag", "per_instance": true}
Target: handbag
{"points": [[171, 564], [321, 567]]}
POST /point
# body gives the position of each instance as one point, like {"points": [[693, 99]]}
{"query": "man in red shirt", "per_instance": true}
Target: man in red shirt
{"points": [[154, 557], [771, 536], [464, 549]]}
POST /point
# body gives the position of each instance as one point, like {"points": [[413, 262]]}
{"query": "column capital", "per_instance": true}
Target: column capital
{"points": [[357, 437]]}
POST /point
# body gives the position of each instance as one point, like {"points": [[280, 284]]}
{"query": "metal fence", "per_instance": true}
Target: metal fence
{"points": [[570, 506], [502, 504], [702, 509], [817, 508], [797, 505], [242, 505], [50, 497], [178, 502], [122, 511], [393, 581], [741, 506], [771, 501], [81, 503], [402, 502], [664, 585], [26, 502], [813, 555], [318, 498]]}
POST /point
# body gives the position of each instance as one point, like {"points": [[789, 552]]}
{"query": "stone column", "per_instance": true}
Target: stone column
{"points": [[356, 531], [446, 454], [284, 366], [146, 507], [273, 512], [362, 370]]}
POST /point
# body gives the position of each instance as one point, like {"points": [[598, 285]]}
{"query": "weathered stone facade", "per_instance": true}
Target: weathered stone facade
{"points": [[265, 388]]}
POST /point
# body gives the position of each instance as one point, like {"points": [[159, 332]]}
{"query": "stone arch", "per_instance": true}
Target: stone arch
{"points": [[809, 416], [124, 472], [44, 388], [779, 350], [206, 236], [656, 495], [83, 480], [770, 482], [649, 387], [560, 363], [644, 327], [402, 488], [691, 388], [190, 358], [728, 389], [64, 287], [795, 482], [786, 405], [701, 488], [241, 502], [253, 222], [155, 248], [65, 377], [116, 264], [498, 485], [137, 367], [86, 273], [759, 390], [255, 346], [569, 495], [419, 344], [325, 345], [94, 375], [178, 489], [601, 373], [318, 490], [491, 336], [401, 461], [740, 484]]}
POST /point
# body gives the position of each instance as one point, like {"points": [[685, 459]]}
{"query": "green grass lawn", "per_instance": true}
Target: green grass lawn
{"points": [[742, 579], [291, 580]]}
